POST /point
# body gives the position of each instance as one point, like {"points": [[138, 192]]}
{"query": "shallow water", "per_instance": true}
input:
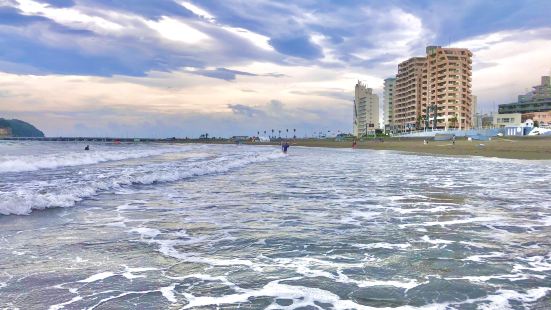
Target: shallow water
{"points": [[205, 227]]}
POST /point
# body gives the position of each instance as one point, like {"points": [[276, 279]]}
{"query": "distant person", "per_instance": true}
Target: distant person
{"points": [[284, 147], [87, 148], [354, 144], [453, 139]]}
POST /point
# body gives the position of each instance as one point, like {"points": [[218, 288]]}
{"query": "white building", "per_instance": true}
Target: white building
{"points": [[507, 120], [388, 97], [366, 110]]}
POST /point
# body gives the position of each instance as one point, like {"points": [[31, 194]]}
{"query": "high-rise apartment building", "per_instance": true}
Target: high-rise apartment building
{"points": [[366, 110], [388, 98], [447, 88], [435, 90], [407, 95]]}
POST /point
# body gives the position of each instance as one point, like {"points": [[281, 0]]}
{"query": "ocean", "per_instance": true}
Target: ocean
{"points": [[190, 226]]}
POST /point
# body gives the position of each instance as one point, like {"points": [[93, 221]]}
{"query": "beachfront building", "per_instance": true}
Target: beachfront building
{"points": [[543, 119], [366, 110], [446, 89], [407, 96], [388, 98], [507, 120], [537, 100], [435, 91]]}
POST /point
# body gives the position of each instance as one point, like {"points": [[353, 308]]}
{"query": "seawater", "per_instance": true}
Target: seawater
{"points": [[158, 226]]}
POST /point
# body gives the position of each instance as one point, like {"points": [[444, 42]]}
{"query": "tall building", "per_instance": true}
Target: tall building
{"points": [[388, 98], [447, 87], [538, 100], [366, 110], [407, 96], [435, 90]]}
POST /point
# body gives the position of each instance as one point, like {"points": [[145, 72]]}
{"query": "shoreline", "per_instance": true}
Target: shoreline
{"points": [[532, 148], [522, 148]]}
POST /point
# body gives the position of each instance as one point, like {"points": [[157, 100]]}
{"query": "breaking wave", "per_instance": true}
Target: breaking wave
{"points": [[67, 191], [73, 158]]}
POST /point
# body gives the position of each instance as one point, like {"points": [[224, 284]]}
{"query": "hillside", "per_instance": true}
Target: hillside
{"points": [[20, 128]]}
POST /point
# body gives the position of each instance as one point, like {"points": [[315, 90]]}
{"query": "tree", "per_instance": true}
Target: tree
{"points": [[420, 120], [454, 121]]}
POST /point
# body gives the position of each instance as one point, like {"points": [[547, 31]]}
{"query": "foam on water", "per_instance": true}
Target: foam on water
{"points": [[76, 158], [66, 191], [318, 229]]}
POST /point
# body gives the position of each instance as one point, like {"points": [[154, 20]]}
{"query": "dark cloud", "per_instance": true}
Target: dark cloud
{"points": [[149, 9], [348, 27], [222, 73], [297, 46], [14, 17], [244, 110]]}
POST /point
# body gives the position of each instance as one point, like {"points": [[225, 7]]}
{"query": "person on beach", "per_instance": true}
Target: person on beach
{"points": [[453, 139], [87, 148], [354, 144], [285, 146]]}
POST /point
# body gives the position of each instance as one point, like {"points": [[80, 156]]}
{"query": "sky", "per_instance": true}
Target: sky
{"points": [[164, 68]]}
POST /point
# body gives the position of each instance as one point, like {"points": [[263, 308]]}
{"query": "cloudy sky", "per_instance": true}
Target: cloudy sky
{"points": [[160, 68]]}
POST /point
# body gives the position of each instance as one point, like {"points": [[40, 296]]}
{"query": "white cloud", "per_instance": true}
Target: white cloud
{"points": [[69, 16], [256, 39], [197, 10], [507, 63], [176, 30]]}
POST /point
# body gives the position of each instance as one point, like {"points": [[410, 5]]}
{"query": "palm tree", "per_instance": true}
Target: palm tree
{"points": [[453, 120], [420, 120]]}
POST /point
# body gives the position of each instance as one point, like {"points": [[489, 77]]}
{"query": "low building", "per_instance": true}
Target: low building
{"points": [[5, 132], [542, 119], [507, 120], [538, 100]]}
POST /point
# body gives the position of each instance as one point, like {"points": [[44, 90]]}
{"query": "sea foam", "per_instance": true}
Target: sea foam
{"points": [[74, 158], [66, 192]]}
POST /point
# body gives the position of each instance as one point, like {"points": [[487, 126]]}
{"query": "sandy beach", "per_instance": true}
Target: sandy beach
{"points": [[533, 148]]}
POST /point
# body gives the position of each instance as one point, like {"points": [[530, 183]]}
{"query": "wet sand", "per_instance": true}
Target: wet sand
{"points": [[533, 148]]}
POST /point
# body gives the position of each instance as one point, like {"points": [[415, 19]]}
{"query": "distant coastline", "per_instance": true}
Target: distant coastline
{"points": [[18, 128]]}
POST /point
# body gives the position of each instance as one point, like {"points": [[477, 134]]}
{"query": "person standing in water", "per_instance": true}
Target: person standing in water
{"points": [[284, 147]]}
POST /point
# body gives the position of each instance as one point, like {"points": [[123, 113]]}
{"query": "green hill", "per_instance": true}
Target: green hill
{"points": [[21, 128]]}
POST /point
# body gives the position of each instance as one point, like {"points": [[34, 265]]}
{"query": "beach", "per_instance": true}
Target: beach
{"points": [[531, 148]]}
